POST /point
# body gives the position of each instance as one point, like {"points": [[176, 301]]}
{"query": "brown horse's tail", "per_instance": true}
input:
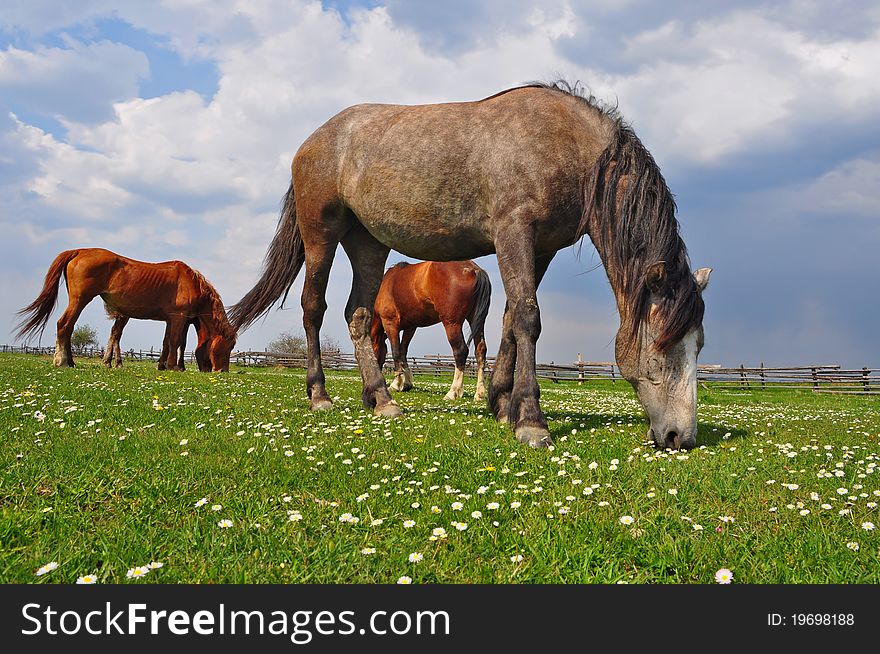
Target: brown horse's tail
{"points": [[36, 314], [482, 297], [283, 261]]}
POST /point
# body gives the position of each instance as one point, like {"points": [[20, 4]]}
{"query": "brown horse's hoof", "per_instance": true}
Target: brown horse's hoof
{"points": [[321, 404], [537, 437], [388, 410]]}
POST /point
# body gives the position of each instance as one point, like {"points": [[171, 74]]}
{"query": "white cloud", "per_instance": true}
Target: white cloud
{"points": [[849, 190], [77, 83], [743, 80]]}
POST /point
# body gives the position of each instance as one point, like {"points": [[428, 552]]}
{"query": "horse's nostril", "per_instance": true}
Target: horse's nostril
{"points": [[670, 439]]}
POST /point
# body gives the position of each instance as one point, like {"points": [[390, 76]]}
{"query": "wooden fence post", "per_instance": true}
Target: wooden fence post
{"points": [[815, 379], [762, 375], [742, 374], [865, 380], [580, 365]]}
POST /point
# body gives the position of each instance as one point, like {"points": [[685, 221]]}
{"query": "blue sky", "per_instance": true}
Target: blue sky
{"points": [[165, 131]]}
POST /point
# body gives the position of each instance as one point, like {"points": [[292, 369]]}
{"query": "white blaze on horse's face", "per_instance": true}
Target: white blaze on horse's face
{"points": [[666, 382], [667, 389]]}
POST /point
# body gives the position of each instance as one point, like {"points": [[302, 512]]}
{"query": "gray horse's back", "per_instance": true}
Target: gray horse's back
{"points": [[417, 175]]}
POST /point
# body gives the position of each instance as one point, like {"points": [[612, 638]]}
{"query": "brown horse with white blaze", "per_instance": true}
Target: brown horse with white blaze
{"points": [[522, 174], [424, 294], [170, 291]]}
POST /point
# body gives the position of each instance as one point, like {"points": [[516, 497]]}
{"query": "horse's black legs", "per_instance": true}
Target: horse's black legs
{"points": [[318, 262], [367, 256], [521, 273], [501, 378], [404, 351], [459, 354], [113, 348]]}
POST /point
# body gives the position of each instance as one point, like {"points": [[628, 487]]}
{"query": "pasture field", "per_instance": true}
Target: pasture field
{"points": [[104, 471]]}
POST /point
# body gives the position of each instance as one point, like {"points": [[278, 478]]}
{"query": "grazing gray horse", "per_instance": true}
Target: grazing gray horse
{"points": [[522, 173]]}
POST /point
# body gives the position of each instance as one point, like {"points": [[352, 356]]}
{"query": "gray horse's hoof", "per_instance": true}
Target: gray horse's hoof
{"points": [[321, 404], [537, 437], [389, 410]]}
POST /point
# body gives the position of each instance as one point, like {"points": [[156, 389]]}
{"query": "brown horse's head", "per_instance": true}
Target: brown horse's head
{"points": [[662, 372], [219, 352], [216, 335]]}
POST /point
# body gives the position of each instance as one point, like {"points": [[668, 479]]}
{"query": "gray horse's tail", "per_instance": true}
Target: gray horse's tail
{"points": [[283, 262], [482, 297]]}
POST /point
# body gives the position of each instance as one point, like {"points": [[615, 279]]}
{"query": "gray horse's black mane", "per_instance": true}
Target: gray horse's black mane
{"points": [[629, 213], [399, 264]]}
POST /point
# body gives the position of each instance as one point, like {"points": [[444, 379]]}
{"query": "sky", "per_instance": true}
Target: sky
{"points": [[165, 130]]}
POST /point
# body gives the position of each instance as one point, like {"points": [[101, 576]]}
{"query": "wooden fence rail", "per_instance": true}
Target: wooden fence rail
{"points": [[821, 378]]}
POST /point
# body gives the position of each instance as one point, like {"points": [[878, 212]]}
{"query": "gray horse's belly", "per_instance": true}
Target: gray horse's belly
{"points": [[450, 238]]}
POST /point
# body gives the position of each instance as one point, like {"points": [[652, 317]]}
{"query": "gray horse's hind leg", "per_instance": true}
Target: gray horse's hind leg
{"points": [[514, 398], [367, 256], [318, 262]]}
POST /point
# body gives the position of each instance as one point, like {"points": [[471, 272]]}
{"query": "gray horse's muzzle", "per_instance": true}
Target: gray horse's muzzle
{"points": [[672, 439]]}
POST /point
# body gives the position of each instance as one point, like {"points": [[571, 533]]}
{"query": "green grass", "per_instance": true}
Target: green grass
{"points": [[94, 477]]}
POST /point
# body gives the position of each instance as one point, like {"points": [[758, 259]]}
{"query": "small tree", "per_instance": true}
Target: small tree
{"points": [[83, 337], [295, 343], [289, 343]]}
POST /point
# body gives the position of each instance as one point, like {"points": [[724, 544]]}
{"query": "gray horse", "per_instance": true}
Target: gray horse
{"points": [[521, 174]]}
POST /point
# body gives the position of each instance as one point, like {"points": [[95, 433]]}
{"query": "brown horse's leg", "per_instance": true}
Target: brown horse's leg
{"points": [[459, 353], [480, 351], [66, 323], [163, 357], [181, 352], [117, 350], [404, 353], [113, 348], [520, 274], [367, 256], [392, 330], [175, 332]]}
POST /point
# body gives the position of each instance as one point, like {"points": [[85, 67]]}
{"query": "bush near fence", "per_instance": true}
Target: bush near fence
{"points": [[820, 378]]}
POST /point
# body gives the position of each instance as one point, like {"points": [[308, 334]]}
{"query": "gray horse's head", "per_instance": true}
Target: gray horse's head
{"points": [[664, 375]]}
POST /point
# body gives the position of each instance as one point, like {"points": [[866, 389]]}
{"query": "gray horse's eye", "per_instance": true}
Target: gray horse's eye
{"points": [[655, 368]]}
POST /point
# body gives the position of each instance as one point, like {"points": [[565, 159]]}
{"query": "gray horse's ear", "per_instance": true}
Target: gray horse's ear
{"points": [[702, 278], [655, 278]]}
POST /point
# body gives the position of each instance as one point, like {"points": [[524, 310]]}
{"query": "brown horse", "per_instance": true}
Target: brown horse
{"points": [[425, 294], [523, 173], [170, 291]]}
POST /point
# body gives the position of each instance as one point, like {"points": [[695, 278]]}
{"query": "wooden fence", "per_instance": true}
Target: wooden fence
{"points": [[95, 352], [820, 378]]}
